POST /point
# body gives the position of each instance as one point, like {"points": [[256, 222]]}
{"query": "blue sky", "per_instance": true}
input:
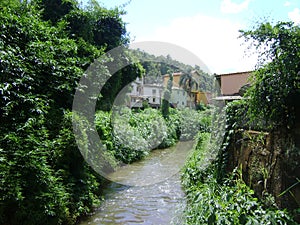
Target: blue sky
{"points": [[209, 29]]}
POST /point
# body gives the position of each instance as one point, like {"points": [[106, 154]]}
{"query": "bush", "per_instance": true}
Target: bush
{"points": [[276, 80], [191, 122], [230, 203], [131, 135]]}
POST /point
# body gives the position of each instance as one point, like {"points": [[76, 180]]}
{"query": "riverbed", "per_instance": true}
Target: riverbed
{"points": [[145, 192]]}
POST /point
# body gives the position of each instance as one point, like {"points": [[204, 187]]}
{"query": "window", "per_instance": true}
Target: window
{"points": [[153, 91], [154, 100]]}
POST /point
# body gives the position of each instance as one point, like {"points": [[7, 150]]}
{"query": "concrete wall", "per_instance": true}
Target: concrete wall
{"points": [[179, 97], [203, 97], [176, 79], [232, 82], [153, 93]]}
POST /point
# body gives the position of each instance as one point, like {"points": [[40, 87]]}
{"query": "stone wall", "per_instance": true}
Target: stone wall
{"points": [[270, 164]]}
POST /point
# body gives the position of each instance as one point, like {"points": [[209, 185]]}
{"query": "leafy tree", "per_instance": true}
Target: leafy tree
{"points": [[99, 26], [165, 106], [276, 83], [105, 30], [44, 178], [54, 10]]}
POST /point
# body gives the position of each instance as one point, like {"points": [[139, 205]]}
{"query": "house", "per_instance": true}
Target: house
{"points": [[178, 98], [152, 93], [135, 96], [230, 85], [195, 96], [141, 92]]}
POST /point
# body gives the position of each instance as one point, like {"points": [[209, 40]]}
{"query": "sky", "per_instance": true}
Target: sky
{"points": [[208, 29]]}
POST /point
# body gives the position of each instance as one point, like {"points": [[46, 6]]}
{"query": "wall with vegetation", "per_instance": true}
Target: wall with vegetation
{"points": [[230, 201], [268, 157], [270, 165]]}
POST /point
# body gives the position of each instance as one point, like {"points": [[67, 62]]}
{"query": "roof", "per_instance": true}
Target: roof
{"points": [[236, 73], [174, 74], [226, 98]]}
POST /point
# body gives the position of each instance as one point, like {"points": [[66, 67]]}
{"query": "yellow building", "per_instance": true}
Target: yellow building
{"points": [[196, 96], [176, 79]]}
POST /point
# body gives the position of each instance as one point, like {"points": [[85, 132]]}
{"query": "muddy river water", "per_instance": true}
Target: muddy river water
{"points": [[145, 192]]}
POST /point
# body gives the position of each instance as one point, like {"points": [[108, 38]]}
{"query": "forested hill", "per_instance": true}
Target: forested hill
{"points": [[157, 66]]}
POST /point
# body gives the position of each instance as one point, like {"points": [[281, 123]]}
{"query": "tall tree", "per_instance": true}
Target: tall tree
{"points": [[165, 106], [44, 178], [276, 82], [99, 26]]}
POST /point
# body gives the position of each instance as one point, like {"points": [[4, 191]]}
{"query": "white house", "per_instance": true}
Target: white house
{"points": [[154, 93], [178, 98], [135, 95]]}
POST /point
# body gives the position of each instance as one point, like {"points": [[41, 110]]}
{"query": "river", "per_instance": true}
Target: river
{"points": [[145, 192]]}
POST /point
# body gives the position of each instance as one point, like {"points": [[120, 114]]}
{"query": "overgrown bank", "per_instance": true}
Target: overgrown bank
{"points": [[267, 158], [213, 198], [131, 135]]}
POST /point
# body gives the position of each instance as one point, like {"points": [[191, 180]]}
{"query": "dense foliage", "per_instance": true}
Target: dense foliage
{"points": [[44, 179], [275, 84], [131, 135]]}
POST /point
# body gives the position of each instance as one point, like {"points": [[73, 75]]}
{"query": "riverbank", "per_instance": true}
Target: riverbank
{"points": [[230, 201]]}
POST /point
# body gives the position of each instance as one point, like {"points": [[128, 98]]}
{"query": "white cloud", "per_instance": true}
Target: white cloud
{"points": [[295, 16], [213, 40], [227, 6], [287, 3]]}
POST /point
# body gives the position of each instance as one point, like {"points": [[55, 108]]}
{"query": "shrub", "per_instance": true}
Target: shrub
{"points": [[130, 135]]}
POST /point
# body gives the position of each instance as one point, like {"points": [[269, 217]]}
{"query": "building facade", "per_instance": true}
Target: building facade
{"points": [[153, 93], [231, 84]]}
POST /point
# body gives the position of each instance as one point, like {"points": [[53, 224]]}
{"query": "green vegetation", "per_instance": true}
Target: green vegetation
{"points": [[157, 66], [231, 201], [44, 179], [130, 135], [46, 45], [275, 84], [217, 196]]}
